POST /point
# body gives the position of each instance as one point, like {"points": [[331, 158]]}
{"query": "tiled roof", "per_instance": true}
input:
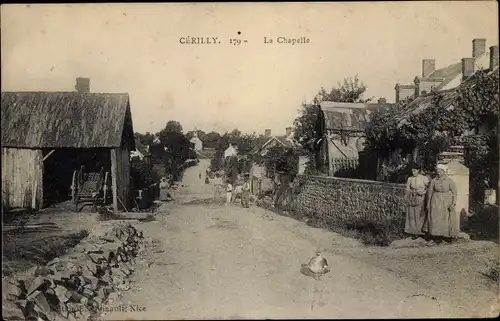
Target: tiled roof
{"points": [[450, 71], [423, 102]]}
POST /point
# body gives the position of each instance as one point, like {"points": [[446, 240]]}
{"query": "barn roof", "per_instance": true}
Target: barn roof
{"points": [[66, 119], [348, 116]]}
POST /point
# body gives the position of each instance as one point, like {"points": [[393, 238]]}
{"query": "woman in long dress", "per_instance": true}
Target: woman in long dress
{"points": [[441, 201], [415, 193]]}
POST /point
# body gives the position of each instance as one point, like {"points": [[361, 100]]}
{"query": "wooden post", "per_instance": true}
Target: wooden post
{"points": [[114, 174], [327, 154], [34, 194]]}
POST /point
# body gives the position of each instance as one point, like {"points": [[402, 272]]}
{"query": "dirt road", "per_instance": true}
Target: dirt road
{"points": [[216, 261]]}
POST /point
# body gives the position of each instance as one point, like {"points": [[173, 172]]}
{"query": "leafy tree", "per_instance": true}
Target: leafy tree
{"points": [[246, 143], [142, 173], [200, 133], [173, 126], [231, 169], [281, 159], [235, 133], [211, 139], [145, 139]]}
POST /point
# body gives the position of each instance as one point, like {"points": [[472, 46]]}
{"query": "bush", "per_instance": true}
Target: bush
{"points": [[484, 223], [142, 174]]}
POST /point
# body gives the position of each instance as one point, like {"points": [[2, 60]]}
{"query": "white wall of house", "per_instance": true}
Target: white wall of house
{"points": [[198, 144], [230, 151], [136, 153], [482, 62]]}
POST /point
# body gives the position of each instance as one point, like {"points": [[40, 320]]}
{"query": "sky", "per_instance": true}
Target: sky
{"points": [[135, 48]]}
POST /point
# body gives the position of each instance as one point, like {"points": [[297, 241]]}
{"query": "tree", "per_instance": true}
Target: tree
{"points": [[245, 143], [351, 91], [305, 132], [211, 139], [281, 159], [200, 133], [145, 139], [173, 126], [177, 151], [235, 133]]}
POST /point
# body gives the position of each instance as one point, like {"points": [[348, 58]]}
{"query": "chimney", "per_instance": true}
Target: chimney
{"points": [[382, 100], [493, 57], [478, 47], [467, 67], [267, 133], [396, 88], [82, 85], [428, 67], [288, 131]]}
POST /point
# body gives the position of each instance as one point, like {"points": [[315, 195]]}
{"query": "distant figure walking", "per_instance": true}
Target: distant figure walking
{"points": [[163, 189], [441, 202], [218, 186], [229, 192], [199, 175], [416, 187], [245, 195]]}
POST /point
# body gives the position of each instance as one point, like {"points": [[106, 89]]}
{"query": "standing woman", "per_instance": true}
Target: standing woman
{"points": [[441, 201], [416, 187]]}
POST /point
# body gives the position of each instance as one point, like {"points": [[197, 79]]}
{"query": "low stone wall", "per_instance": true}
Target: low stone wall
{"points": [[347, 201], [77, 285]]}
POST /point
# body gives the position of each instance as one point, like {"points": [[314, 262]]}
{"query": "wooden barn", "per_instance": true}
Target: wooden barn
{"points": [[48, 136]]}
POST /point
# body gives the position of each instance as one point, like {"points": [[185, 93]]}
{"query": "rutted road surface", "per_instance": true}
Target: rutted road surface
{"points": [[219, 262]]}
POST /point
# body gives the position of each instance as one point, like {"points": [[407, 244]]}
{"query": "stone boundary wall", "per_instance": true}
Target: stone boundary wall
{"points": [[78, 285], [336, 200]]}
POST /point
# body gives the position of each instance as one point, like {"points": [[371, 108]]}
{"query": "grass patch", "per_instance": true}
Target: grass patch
{"points": [[37, 251]]}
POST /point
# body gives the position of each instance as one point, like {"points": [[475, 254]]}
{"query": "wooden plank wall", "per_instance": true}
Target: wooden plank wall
{"points": [[122, 157], [22, 170]]}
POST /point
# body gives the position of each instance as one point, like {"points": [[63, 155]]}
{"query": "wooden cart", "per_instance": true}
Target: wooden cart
{"points": [[90, 188]]}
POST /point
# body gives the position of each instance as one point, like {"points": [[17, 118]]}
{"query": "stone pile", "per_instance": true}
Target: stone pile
{"points": [[76, 288]]}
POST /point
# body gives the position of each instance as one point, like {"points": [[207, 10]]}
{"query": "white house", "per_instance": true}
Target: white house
{"points": [[230, 151], [198, 144]]}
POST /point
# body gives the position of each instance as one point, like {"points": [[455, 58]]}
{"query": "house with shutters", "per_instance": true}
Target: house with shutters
{"points": [[341, 137]]}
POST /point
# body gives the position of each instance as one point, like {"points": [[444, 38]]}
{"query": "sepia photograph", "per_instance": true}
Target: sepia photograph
{"points": [[302, 160]]}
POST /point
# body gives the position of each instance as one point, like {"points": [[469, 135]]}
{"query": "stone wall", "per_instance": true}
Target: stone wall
{"points": [[339, 201], [80, 284]]}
